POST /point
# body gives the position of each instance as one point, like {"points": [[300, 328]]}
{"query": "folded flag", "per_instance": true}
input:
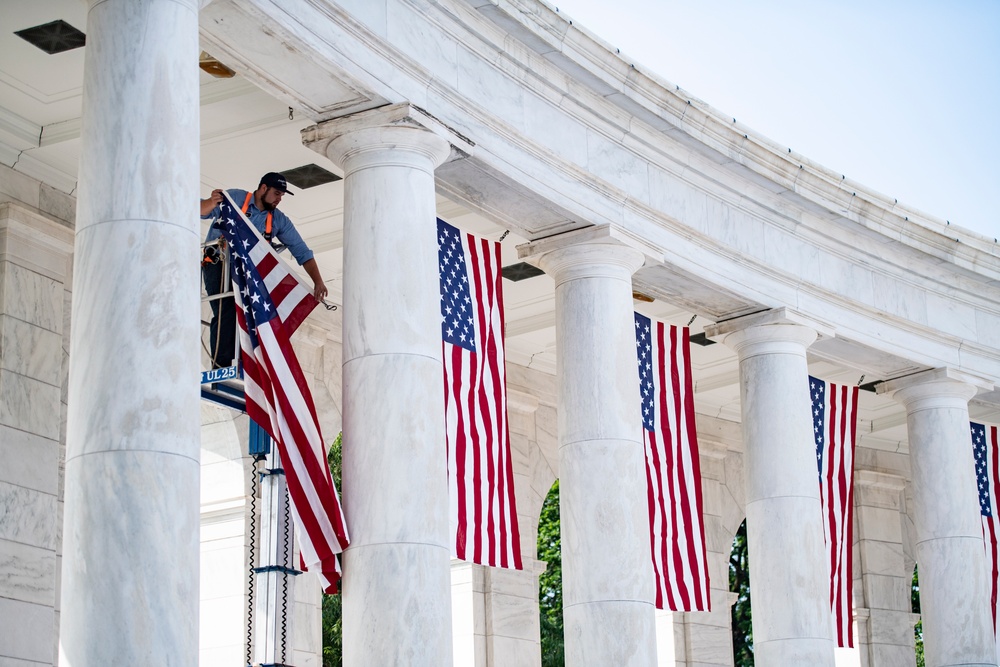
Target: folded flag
{"points": [[480, 474], [673, 467], [271, 302], [835, 420]]}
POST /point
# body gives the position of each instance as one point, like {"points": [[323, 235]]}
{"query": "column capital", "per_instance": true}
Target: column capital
{"points": [[397, 129], [591, 260], [935, 388], [599, 251], [772, 331]]}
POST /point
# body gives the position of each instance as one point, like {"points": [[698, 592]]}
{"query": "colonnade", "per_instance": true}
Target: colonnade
{"points": [[130, 572]]}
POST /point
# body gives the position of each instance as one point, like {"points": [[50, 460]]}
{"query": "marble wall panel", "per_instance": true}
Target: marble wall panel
{"points": [[513, 617], [34, 242], [881, 557], [676, 198], [618, 166], [31, 351], [27, 573], [988, 328], [877, 523], [512, 652], [30, 460], [497, 93], [893, 633], [15, 186], [31, 639], [426, 45], [27, 516], [709, 644], [898, 298], [884, 591], [28, 404], [57, 204], [514, 583], [31, 297], [886, 654], [372, 14], [949, 315], [549, 125]]}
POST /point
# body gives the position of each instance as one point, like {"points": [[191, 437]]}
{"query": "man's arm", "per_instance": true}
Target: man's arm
{"points": [[312, 268], [208, 204]]}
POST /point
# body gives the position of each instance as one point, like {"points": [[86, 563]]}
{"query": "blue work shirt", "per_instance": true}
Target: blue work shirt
{"points": [[281, 227]]}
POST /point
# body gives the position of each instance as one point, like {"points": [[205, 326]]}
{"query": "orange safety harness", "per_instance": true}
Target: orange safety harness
{"points": [[270, 216]]}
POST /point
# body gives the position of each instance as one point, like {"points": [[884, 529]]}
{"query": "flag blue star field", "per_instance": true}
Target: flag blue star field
{"points": [[835, 419], [673, 467], [271, 302], [484, 524], [987, 457]]}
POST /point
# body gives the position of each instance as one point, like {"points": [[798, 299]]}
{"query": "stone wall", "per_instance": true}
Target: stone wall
{"points": [[36, 241]]}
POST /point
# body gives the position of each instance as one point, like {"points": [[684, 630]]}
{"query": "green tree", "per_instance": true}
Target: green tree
{"points": [[918, 631], [550, 581], [739, 583], [332, 621]]}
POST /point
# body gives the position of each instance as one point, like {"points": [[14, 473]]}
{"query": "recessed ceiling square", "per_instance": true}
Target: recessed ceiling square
{"points": [[309, 176], [54, 37], [520, 271]]}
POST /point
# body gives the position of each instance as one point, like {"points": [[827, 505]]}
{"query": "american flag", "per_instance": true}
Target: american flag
{"points": [[835, 409], [673, 468], [271, 302], [985, 450], [480, 474]]}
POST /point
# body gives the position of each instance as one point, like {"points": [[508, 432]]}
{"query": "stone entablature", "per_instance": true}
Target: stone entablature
{"points": [[569, 133]]}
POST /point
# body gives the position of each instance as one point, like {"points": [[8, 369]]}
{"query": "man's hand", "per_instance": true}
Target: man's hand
{"points": [[214, 200], [312, 268], [320, 291]]}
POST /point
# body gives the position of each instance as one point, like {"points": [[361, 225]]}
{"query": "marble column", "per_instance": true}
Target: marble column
{"points": [[789, 582], [130, 563], [608, 609], [954, 594], [396, 586]]}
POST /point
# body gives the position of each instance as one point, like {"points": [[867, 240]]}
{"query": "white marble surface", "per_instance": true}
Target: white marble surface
{"points": [[788, 575], [954, 594], [130, 552], [397, 601], [33, 260], [607, 572]]}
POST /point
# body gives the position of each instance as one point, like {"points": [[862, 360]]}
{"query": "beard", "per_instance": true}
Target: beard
{"points": [[268, 206]]}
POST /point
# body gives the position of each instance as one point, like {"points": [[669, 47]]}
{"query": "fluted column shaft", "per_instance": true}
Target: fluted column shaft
{"points": [[397, 604], [954, 593], [130, 563], [608, 586], [789, 581]]}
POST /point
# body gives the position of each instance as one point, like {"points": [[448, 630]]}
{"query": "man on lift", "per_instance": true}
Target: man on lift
{"points": [[260, 207]]}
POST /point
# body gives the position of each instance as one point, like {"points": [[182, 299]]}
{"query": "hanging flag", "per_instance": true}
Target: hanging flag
{"points": [[480, 474], [835, 420], [673, 468], [271, 302], [985, 450]]}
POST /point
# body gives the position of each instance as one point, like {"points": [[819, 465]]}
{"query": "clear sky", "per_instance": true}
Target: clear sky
{"points": [[900, 96]]}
